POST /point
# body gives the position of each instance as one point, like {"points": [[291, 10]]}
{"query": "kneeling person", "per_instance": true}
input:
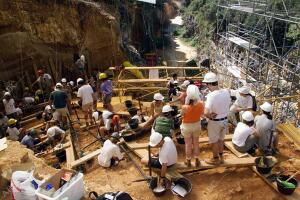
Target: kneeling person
{"points": [[245, 136], [110, 153]]}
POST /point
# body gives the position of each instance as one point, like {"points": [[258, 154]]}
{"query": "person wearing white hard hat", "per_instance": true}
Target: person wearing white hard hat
{"points": [[266, 129], [192, 92], [164, 124], [85, 93], [80, 64], [244, 102], [156, 105], [60, 100], [190, 129], [68, 90], [9, 105], [216, 110], [166, 157], [245, 136], [171, 82]]}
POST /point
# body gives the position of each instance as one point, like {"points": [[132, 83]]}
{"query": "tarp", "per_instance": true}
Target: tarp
{"points": [[149, 1]]}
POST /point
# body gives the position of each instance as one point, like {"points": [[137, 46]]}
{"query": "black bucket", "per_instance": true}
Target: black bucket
{"points": [[128, 103], [132, 111], [261, 169], [153, 185], [184, 183], [281, 188], [175, 111], [133, 123], [180, 139]]}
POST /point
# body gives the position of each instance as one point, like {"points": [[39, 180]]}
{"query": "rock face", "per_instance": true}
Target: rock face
{"points": [[47, 34]]}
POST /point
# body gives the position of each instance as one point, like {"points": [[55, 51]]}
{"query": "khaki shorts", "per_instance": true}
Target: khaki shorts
{"points": [[62, 112], [87, 107], [217, 130], [190, 128]]}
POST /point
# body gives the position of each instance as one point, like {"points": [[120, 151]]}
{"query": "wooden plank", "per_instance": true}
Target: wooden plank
{"points": [[294, 196], [291, 132], [159, 67], [70, 151], [85, 158], [140, 88], [154, 80], [3, 144]]}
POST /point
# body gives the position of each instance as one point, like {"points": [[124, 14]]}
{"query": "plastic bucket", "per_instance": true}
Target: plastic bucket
{"points": [[261, 169], [181, 187], [281, 188], [132, 111], [153, 185]]}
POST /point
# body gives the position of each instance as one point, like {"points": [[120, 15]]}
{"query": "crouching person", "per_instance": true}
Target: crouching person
{"points": [[55, 134], [31, 139], [245, 136], [166, 157], [110, 154]]}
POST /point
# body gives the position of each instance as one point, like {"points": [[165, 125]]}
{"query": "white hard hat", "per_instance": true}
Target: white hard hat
{"points": [[82, 57], [63, 80], [244, 90], [155, 139], [158, 97], [58, 85], [175, 82], [186, 83], [79, 80], [6, 94], [247, 116], [210, 77], [71, 83], [267, 107], [167, 108]]}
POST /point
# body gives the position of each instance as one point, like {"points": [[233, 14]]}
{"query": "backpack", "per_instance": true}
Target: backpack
{"points": [[110, 196]]}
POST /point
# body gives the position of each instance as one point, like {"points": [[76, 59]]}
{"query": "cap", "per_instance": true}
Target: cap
{"points": [[155, 139], [158, 97], [63, 80], [58, 85], [210, 77], [11, 121], [79, 80], [267, 107], [167, 108], [244, 90], [247, 116]]}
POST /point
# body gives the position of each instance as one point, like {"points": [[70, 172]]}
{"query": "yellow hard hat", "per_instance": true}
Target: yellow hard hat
{"points": [[11, 121], [37, 98], [102, 76], [127, 64]]}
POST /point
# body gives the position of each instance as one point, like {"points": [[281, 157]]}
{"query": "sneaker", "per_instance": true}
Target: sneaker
{"points": [[197, 162], [213, 161], [188, 163]]}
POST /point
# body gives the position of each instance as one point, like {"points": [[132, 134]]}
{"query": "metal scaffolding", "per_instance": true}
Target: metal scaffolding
{"points": [[254, 48]]}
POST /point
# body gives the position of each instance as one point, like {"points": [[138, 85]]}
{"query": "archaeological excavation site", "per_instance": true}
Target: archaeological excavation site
{"points": [[150, 99]]}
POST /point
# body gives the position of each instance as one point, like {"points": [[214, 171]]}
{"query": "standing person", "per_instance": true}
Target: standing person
{"points": [[59, 99], [193, 92], [166, 157], [216, 109], [164, 124], [93, 84], [9, 105], [190, 129], [172, 80], [68, 90], [182, 95], [243, 102], [85, 92], [80, 64], [106, 89], [245, 137], [45, 82], [110, 153], [265, 127]]}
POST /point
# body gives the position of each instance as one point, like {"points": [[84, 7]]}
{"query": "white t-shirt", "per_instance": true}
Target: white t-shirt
{"points": [[241, 133], [168, 153], [106, 120], [108, 151], [52, 131], [242, 102], [9, 106], [13, 133], [29, 100], [218, 102], [95, 115], [86, 93]]}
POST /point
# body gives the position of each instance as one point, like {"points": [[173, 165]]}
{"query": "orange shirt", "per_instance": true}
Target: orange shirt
{"points": [[192, 113]]}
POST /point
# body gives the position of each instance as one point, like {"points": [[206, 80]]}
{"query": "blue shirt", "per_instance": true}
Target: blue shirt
{"points": [[28, 141], [106, 87]]}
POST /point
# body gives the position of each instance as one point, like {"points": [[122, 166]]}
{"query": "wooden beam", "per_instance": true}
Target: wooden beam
{"points": [[154, 80], [85, 158], [291, 132], [159, 67], [70, 150]]}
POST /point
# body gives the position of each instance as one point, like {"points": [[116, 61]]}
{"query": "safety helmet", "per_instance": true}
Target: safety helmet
{"points": [[167, 108], [63, 80], [247, 116], [126, 64], [71, 83], [155, 139], [79, 81], [102, 76], [244, 90], [158, 97], [267, 107], [7, 94], [210, 77], [11, 121], [58, 85]]}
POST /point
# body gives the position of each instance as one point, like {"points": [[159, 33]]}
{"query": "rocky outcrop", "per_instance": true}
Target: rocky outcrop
{"points": [[47, 33]]}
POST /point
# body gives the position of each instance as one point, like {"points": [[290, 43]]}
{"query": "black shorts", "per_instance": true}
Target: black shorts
{"points": [[154, 162]]}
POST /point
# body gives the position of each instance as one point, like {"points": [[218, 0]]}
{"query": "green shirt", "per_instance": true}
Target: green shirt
{"points": [[59, 98], [163, 125]]}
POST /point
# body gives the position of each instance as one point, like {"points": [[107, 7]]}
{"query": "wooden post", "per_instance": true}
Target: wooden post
{"points": [[52, 69]]}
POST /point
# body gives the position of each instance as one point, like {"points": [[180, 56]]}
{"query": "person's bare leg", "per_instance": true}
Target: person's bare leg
{"points": [[86, 117], [221, 149], [90, 116], [215, 149]]}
